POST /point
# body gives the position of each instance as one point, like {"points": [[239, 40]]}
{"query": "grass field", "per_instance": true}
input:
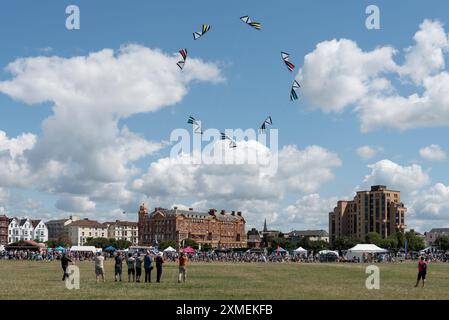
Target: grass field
{"points": [[42, 280]]}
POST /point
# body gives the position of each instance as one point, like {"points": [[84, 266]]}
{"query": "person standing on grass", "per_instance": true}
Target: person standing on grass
{"points": [[118, 266], [422, 272], [139, 261], [182, 267], [147, 264], [131, 267], [99, 267], [64, 264], [159, 262]]}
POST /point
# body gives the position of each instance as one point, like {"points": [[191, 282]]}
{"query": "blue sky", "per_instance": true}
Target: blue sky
{"points": [[254, 84]]}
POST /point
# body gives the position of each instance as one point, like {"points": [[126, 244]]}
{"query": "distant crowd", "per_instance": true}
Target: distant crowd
{"points": [[234, 257]]}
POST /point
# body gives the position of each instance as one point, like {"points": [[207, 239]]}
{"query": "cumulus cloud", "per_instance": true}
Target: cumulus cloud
{"points": [[338, 75], [298, 171], [310, 211], [14, 168], [75, 204], [368, 152], [433, 153], [83, 150], [407, 179]]}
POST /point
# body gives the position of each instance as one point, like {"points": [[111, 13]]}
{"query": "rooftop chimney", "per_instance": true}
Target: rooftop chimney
{"points": [[233, 213], [239, 213], [222, 212], [190, 209], [212, 212]]}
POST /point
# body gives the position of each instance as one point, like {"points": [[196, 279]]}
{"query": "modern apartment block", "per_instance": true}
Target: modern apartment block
{"points": [[379, 210]]}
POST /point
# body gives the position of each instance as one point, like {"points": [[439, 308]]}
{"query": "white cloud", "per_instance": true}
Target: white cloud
{"points": [[430, 209], [407, 179], [338, 75], [14, 168], [298, 171], [368, 152], [75, 204], [309, 212], [83, 150], [433, 153]]}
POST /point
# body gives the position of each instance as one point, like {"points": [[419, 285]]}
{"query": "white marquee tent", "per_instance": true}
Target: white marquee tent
{"points": [[360, 249], [300, 250], [85, 249], [169, 249]]}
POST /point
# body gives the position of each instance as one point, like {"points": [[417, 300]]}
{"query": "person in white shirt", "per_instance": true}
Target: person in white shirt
{"points": [[99, 267]]}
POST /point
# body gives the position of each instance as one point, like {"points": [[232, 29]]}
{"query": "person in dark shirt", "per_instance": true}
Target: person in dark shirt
{"points": [[64, 264], [147, 264], [118, 266], [159, 262]]}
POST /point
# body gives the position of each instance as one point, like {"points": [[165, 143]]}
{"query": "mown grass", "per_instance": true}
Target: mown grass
{"points": [[226, 281]]}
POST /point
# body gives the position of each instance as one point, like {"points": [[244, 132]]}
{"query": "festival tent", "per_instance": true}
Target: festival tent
{"points": [[361, 249], [170, 249], [300, 250], [2, 248], [188, 249], [84, 249], [279, 249], [324, 252], [110, 249], [60, 249]]}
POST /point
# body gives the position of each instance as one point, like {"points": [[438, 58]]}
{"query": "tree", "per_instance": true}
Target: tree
{"points": [[97, 242], [190, 243], [443, 242], [373, 238], [121, 244], [344, 243], [318, 245], [390, 243], [414, 243], [400, 236]]}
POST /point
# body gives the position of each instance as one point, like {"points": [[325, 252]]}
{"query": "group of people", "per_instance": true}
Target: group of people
{"points": [[134, 264]]}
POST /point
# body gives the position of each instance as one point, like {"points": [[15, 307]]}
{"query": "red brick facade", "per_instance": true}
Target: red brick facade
{"points": [[4, 222], [218, 229]]}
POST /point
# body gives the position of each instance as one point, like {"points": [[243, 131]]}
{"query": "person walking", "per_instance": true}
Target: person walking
{"points": [[182, 268], [118, 266], [147, 264], [99, 267], [64, 264], [131, 267], [422, 272], [159, 262], [139, 261]]}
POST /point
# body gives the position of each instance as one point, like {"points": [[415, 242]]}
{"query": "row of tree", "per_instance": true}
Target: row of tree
{"points": [[394, 242]]}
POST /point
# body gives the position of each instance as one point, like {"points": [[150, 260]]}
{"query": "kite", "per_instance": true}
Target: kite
{"points": [[197, 35], [255, 25], [293, 94], [232, 143], [268, 121], [181, 63], [196, 125], [285, 56]]}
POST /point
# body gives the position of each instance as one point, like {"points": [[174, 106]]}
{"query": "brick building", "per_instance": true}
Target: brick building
{"points": [[379, 210], [4, 223], [217, 229]]}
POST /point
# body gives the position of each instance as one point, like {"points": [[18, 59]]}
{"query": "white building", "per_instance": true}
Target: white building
{"points": [[79, 231], [27, 229], [123, 230]]}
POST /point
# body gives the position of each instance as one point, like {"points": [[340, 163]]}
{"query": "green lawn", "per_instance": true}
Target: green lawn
{"points": [[42, 280]]}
